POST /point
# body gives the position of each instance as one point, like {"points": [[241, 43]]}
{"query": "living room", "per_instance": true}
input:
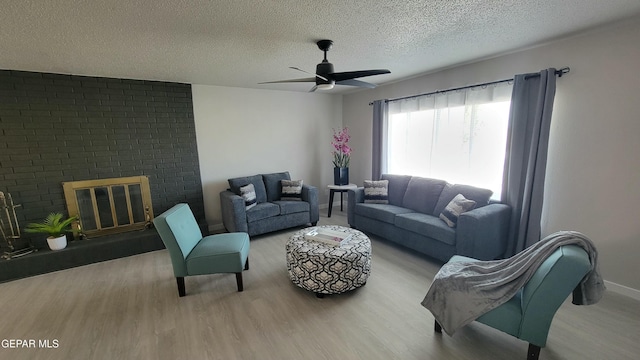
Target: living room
{"points": [[242, 131], [586, 152]]}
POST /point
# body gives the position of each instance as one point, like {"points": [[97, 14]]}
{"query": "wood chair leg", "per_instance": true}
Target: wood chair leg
{"points": [[533, 352], [239, 281], [436, 327], [181, 290], [246, 265]]}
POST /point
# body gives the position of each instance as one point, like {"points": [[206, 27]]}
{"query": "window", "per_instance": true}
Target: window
{"points": [[458, 136]]}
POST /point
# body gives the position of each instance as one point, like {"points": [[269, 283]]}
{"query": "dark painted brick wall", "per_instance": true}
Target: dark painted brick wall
{"points": [[56, 128]]}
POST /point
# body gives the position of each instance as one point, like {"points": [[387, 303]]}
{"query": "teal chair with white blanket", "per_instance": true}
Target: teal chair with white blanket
{"points": [[564, 268], [192, 254]]}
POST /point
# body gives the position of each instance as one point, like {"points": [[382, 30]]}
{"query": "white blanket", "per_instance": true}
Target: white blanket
{"points": [[463, 291]]}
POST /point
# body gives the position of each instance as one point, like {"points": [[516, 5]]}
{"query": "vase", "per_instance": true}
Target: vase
{"points": [[58, 243], [340, 175]]}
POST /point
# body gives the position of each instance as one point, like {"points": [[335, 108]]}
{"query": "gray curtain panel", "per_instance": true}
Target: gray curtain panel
{"points": [[526, 157], [379, 129]]}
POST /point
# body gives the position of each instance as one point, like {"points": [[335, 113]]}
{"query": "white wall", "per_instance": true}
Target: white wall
{"points": [[593, 171], [243, 132]]}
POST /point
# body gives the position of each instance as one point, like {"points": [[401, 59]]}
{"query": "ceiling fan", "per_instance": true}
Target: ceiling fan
{"points": [[325, 78]]}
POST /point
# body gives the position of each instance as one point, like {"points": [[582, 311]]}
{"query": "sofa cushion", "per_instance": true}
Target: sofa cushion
{"points": [[397, 187], [290, 207], [291, 190], [236, 183], [426, 225], [248, 193], [376, 192], [263, 211], [479, 195], [422, 194], [456, 206], [382, 212], [272, 184]]}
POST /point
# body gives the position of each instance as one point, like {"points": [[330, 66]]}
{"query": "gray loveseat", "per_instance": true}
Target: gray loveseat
{"points": [[411, 218], [270, 212]]}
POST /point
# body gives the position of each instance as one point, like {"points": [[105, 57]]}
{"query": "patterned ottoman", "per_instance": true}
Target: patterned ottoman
{"points": [[325, 269]]}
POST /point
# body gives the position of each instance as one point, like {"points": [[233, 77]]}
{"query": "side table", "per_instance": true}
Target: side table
{"points": [[341, 189]]}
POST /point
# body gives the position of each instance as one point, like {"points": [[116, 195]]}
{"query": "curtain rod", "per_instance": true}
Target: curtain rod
{"points": [[559, 73]]}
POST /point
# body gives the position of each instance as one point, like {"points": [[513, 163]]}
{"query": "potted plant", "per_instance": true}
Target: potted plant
{"points": [[55, 227], [341, 156]]}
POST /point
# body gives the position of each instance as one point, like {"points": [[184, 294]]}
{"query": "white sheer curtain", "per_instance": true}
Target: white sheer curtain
{"points": [[459, 136]]}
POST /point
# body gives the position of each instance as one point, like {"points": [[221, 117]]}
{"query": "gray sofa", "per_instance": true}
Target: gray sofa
{"points": [[411, 218], [270, 213]]}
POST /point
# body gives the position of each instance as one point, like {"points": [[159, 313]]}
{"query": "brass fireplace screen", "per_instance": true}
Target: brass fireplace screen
{"points": [[109, 206]]}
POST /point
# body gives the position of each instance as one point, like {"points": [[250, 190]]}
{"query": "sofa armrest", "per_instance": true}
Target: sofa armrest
{"points": [[234, 215], [482, 233], [355, 196], [310, 195]]}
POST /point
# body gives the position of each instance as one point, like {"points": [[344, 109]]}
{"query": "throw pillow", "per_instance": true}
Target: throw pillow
{"points": [[479, 195], [291, 190], [376, 191], [261, 193], [248, 193], [457, 206]]}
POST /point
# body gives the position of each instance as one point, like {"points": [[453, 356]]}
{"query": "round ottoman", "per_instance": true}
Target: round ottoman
{"points": [[325, 269]]}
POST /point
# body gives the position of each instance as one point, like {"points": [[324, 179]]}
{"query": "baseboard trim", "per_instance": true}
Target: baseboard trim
{"points": [[623, 290]]}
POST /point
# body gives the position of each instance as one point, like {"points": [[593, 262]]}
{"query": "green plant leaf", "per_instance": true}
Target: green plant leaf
{"points": [[53, 225]]}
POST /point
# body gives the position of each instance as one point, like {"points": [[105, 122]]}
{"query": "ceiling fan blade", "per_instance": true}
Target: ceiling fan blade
{"points": [[306, 72], [290, 81], [353, 82], [357, 74]]}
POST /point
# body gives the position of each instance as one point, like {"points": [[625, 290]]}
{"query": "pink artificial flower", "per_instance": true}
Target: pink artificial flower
{"points": [[342, 151], [346, 149]]}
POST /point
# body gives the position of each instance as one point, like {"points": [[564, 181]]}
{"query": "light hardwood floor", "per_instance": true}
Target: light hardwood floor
{"points": [[129, 309]]}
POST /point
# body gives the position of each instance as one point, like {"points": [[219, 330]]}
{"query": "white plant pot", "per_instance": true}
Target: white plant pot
{"points": [[58, 243]]}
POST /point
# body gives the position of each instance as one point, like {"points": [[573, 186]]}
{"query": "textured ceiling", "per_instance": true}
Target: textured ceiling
{"points": [[242, 42]]}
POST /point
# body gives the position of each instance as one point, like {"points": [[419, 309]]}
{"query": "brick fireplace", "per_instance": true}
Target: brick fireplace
{"points": [[63, 128]]}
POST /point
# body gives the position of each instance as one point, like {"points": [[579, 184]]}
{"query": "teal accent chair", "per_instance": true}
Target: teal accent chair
{"points": [[192, 254], [529, 313]]}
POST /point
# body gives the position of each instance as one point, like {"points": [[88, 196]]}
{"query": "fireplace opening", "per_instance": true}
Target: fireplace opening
{"points": [[109, 206]]}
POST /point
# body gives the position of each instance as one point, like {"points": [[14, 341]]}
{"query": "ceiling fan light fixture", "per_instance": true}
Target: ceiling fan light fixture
{"points": [[325, 86]]}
